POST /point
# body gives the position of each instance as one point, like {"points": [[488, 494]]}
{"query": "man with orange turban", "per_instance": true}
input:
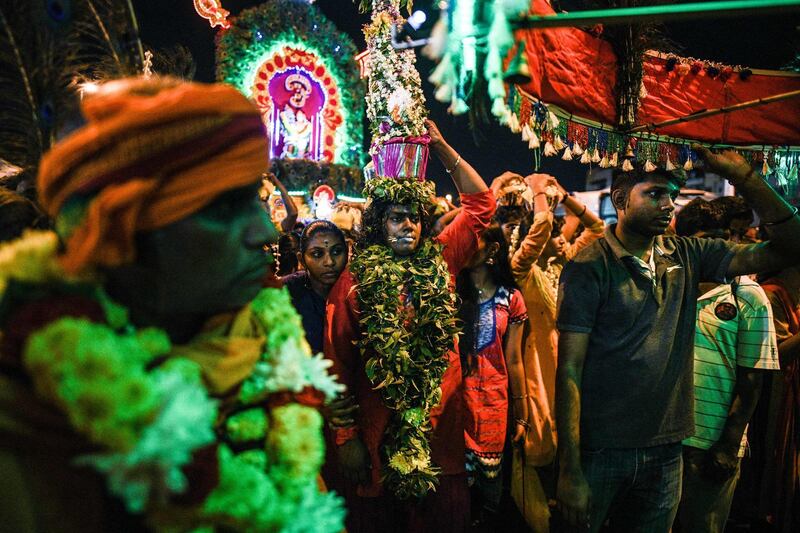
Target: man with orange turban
{"points": [[119, 328]]}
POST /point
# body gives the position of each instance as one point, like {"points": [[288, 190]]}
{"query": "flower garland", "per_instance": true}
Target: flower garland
{"points": [[395, 103], [150, 422], [406, 352]]}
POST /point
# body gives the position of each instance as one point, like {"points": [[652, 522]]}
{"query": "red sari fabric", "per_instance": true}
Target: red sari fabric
{"points": [[486, 386], [460, 240]]}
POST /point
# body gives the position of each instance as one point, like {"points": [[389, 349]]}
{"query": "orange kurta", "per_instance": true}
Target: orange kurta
{"points": [[539, 288]]}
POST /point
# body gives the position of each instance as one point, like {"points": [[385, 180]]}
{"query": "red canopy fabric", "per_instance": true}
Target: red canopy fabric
{"points": [[576, 71]]}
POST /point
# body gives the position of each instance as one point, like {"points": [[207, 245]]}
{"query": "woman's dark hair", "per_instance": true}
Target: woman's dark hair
{"points": [[558, 225], [505, 213], [288, 244], [527, 223], [17, 214], [374, 219], [316, 227], [500, 272]]}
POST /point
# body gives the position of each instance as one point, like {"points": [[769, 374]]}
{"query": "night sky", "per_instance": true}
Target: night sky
{"points": [[758, 42]]}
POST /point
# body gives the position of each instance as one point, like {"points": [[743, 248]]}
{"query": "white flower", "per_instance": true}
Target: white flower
{"points": [[400, 99], [316, 371], [153, 468]]}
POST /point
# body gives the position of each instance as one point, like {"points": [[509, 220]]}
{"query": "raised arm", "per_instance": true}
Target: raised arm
{"points": [[466, 179], [780, 218], [287, 224], [573, 494], [592, 223], [539, 233]]}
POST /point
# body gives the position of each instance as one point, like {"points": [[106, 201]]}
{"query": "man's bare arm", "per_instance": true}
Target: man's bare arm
{"points": [[783, 247], [723, 454], [573, 495]]}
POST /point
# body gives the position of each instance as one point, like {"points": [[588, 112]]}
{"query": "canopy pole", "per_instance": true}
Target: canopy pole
{"points": [[704, 113], [660, 13]]}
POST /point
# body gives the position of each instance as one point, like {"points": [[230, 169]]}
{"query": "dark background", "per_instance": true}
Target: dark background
{"points": [[769, 42]]}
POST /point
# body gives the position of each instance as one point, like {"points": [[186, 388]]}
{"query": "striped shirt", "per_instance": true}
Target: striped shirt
{"points": [[731, 331]]}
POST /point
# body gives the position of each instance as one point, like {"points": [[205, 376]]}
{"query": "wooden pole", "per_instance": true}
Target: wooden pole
{"points": [[661, 13], [704, 113]]}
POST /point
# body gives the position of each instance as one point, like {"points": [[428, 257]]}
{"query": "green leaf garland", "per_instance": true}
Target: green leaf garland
{"points": [[401, 191], [406, 352]]}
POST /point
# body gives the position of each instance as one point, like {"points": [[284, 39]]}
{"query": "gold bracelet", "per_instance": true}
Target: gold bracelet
{"points": [[455, 166], [522, 422], [521, 397]]}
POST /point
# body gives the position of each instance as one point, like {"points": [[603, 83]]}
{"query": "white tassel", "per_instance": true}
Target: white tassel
{"points": [[558, 144], [442, 93], [526, 132], [534, 143], [458, 107], [440, 72], [499, 108], [513, 123], [596, 156], [627, 166], [586, 158], [669, 166], [552, 120], [688, 165], [437, 42], [604, 162], [614, 161], [576, 148], [549, 149], [649, 166], [765, 168], [567, 155], [496, 88]]}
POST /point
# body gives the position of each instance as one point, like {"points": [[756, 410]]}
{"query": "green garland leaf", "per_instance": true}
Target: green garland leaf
{"points": [[406, 352], [400, 191]]}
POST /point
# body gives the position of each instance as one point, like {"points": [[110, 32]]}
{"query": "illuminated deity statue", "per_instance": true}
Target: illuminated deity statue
{"points": [[295, 126]]}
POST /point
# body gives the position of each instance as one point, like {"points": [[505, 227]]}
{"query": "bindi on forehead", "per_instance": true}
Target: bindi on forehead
{"points": [[324, 240]]}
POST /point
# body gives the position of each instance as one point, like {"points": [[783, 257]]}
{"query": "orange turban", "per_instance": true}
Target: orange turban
{"points": [[147, 157]]}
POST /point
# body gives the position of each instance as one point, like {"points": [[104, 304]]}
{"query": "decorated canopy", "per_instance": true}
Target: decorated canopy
{"points": [[577, 71], [563, 93]]}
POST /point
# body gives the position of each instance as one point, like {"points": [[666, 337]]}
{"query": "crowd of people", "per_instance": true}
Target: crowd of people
{"points": [[500, 366]]}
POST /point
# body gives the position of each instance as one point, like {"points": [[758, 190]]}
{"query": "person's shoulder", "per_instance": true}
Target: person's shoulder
{"points": [[294, 278], [595, 253], [590, 265], [751, 292], [344, 287]]}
